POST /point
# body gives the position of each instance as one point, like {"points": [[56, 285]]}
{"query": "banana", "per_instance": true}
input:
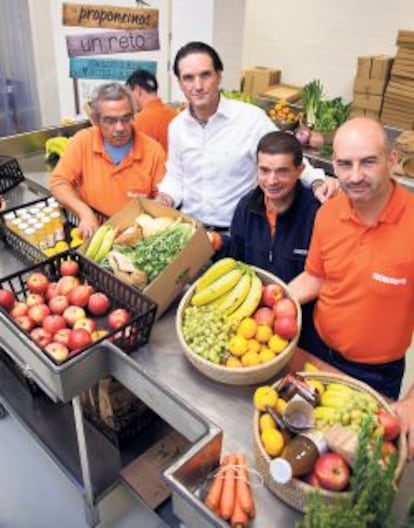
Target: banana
{"points": [[250, 303], [236, 295], [56, 145], [106, 244], [215, 271], [334, 400], [222, 285], [96, 241], [339, 387]]}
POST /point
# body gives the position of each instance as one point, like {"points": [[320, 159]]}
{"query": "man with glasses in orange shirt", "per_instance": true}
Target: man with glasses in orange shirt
{"points": [[360, 267], [106, 165]]}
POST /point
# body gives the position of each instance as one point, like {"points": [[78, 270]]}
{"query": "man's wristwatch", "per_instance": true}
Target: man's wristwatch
{"points": [[316, 184]]}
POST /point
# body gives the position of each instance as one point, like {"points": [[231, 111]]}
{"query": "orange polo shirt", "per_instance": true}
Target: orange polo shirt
{"points": [[154, 119], [365, 308], [107, 187]]}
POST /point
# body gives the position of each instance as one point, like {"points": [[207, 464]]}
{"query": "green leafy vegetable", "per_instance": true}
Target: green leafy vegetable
{"points": [[312, 95]]}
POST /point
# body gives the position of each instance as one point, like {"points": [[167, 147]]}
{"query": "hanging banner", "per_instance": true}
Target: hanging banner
{"points": [[112, 42], [107, 69], [104, 16]]}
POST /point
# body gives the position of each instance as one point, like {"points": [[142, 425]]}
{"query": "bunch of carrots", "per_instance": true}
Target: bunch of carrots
{"points": [[230, 495]]}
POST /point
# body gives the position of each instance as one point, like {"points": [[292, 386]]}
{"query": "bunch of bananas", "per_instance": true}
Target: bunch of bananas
{"points": [[344, 405], [101, 243], [54, 148], [231, 288]]}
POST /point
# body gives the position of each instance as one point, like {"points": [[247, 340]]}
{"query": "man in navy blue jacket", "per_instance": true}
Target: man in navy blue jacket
{"points": [[272, 225]]}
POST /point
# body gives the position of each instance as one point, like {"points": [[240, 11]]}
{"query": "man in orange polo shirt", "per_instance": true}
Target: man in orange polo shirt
{"points": [[104, 166], [153, 116], [361, 267]]}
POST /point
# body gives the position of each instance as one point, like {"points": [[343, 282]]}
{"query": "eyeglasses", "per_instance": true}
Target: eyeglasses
{"points": [[112, 120]]}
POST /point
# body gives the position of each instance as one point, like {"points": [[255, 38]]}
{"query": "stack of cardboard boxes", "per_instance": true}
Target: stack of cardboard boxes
{"points": [[398, 108], [255, 81], [370, 84]]}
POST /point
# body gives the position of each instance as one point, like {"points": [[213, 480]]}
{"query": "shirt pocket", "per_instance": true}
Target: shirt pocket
{"points": [[390, 279]]}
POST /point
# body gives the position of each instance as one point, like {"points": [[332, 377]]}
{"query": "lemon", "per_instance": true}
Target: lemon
{"points": [[266, 355], [233, 362], [61, 246], [263, 333], [273, 442], [280, 406], [247, 328], [264, 396], [266, 421], [238, 345], [253, 345], [277, 343], [250, 359]]}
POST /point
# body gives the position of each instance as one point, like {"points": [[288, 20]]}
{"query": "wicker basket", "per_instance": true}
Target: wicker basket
{"points": [[240, 375], [295, 493]]}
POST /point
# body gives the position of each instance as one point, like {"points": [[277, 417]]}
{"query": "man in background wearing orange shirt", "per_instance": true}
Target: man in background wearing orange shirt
{"points": [[360, 267], [106, 165], [153, 116]]}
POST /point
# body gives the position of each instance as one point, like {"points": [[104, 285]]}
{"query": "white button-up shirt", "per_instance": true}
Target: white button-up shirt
{"points": [[210, 167]]}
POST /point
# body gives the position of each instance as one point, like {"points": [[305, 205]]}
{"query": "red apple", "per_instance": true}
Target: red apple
{"points": [[25, 322], [99, 334], [313, 480], [69, 267], [98, 304], [286, 327], [54, 323], [58, 304], [264, 316], [7, 299], [387, 450], [332, 472], [79, 338], [118, 318], [79, 295], [41, 336], [52, 290], [390, 423], [38, 312], [37, 282], [34, 298], [66, 284], [271, 294], [62, 336], [86, 323], [284, 307], [73, 313], [19, 308], [57, 351]]}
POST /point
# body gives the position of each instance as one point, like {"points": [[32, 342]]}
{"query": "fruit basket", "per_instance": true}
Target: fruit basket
{"points": [[247, 375], [296, 491], [10, 173]]}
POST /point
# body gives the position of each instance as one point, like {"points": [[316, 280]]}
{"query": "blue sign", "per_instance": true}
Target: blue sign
{"points": [[108, 69]]}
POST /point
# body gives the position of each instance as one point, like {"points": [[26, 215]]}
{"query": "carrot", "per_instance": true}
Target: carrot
{"points": [[212, 499], [243, 489], [228, 492], [239, 518]]}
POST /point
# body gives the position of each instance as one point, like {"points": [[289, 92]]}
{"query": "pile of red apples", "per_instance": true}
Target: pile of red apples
{"points": [[61, 317]]}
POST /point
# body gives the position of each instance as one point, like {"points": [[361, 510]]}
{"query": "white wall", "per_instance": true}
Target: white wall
{"points": [[321, 39]]}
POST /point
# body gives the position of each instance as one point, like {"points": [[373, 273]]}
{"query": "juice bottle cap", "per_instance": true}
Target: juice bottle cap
{"points": [[280, 470]]}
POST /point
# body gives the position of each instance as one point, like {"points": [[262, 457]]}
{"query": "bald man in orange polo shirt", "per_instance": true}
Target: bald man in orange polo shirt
{"points": [[360, 267]]}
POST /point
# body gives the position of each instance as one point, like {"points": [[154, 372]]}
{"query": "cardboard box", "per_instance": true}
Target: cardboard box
{"points": [[186, 265], [369, 102], [288, 92], [381, 67], [256, 80], [369, 86], [364, 67]]}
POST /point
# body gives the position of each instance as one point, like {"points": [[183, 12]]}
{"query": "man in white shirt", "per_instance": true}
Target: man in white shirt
{"points": [[212, 144]]}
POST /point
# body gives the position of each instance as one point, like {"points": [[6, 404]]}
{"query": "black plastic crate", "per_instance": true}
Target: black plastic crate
{"points": [[23, 247], [10, 173], [135, 333]]}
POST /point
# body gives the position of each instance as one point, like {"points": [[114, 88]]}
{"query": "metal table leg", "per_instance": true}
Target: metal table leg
{"points": [[91, 509]]}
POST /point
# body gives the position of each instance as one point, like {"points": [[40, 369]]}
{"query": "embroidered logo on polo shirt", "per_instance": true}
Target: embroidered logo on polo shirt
{"points": [[394, 281], [300, 251]]}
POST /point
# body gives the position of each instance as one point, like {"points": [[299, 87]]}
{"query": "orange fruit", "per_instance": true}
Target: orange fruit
{"points": [[233, 362], [277, 343], [238, 345], [273, 442], [250, 359], [253, 345], [247, 328], [265, 396], [266, 355], [263, 333]]}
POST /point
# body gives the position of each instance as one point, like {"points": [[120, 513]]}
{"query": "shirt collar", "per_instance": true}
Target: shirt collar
{"points": [[391, 212], [99, 148], [224, 109]]}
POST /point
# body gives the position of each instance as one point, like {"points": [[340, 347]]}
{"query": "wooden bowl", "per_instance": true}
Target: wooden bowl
{"points": [[295, 493], [238, 375]]}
